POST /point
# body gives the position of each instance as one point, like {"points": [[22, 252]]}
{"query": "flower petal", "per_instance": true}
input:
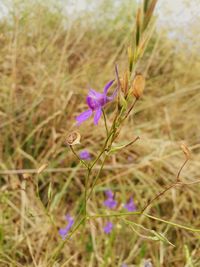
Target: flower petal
{"points": [[94, 94], [97, 116], [108, 227], [84, 116], [107, 86], [70, 220], [110, 203], [63, 233], [85, 155], [109, 194], [130, 205], [93, 103], [111, 98]]}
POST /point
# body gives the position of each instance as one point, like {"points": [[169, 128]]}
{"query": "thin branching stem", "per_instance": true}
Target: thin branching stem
{"points": [[60, 247], [129, 111], [160, 195], [114, 214], [103, 150], [123, 214], [168, 188], [179, 172], [86, 190], [172, 223], [77, 156], [97, 177], [105, 122]]}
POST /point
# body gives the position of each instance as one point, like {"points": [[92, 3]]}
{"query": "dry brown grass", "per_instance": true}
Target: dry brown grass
{"points": [[45, 70]]}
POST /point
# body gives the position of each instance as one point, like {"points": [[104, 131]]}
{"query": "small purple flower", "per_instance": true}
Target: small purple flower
{"points": [[130, 205], [108, 228], [124, 265], [63, 232], [96, 101], [109, 194], [85, 155], [110, 202]]}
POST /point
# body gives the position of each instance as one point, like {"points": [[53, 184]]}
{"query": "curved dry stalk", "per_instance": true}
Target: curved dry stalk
{"points": [[169, 187]]}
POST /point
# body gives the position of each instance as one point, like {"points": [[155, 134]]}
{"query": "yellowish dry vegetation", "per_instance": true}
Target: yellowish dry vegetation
{"points": [[46, 68]]}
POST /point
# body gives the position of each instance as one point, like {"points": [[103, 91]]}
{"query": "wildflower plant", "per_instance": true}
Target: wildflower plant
{"points": [[126, 89], [122, 92]]}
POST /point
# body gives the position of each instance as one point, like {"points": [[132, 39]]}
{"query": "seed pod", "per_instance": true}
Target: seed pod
{"points": [[138, 85], [73, 138]]}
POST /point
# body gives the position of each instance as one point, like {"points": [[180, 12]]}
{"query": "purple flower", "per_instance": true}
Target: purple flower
{"points": [[109, 194], [85, 155], [96, 101], [63, 232], [108, 228], [124, 265], [110, 202], [130, 205]]}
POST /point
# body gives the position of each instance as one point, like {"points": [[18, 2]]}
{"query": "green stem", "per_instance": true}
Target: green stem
{"points": [[117, 214], [97, 177], [60, 247], [102, 151], [172, 223], [120, 214], [77, 156], [86, 189], [129, 111], [105, 122]]}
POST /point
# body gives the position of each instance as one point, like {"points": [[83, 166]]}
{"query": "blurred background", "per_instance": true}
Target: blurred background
{"points": [[51, 52]]}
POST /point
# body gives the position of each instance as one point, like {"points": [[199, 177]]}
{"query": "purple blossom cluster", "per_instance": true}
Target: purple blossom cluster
{"points": [[111, 203]]}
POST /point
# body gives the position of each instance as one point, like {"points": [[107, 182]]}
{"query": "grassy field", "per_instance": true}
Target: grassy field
{"points": [[47, 64]]}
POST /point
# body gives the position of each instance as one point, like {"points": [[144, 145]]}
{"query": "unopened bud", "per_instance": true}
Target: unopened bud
{"points": [[26, 176], [138, 85], [73, 138], [130, 58], [185, 150], [138, 26], [42, 168], [124, 83]]}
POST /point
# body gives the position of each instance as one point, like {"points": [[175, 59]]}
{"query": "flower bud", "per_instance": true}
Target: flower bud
{"points": [[73, 138], [42, 168], [130, 58], [138, 85], [186, 150], [124, 83]]}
